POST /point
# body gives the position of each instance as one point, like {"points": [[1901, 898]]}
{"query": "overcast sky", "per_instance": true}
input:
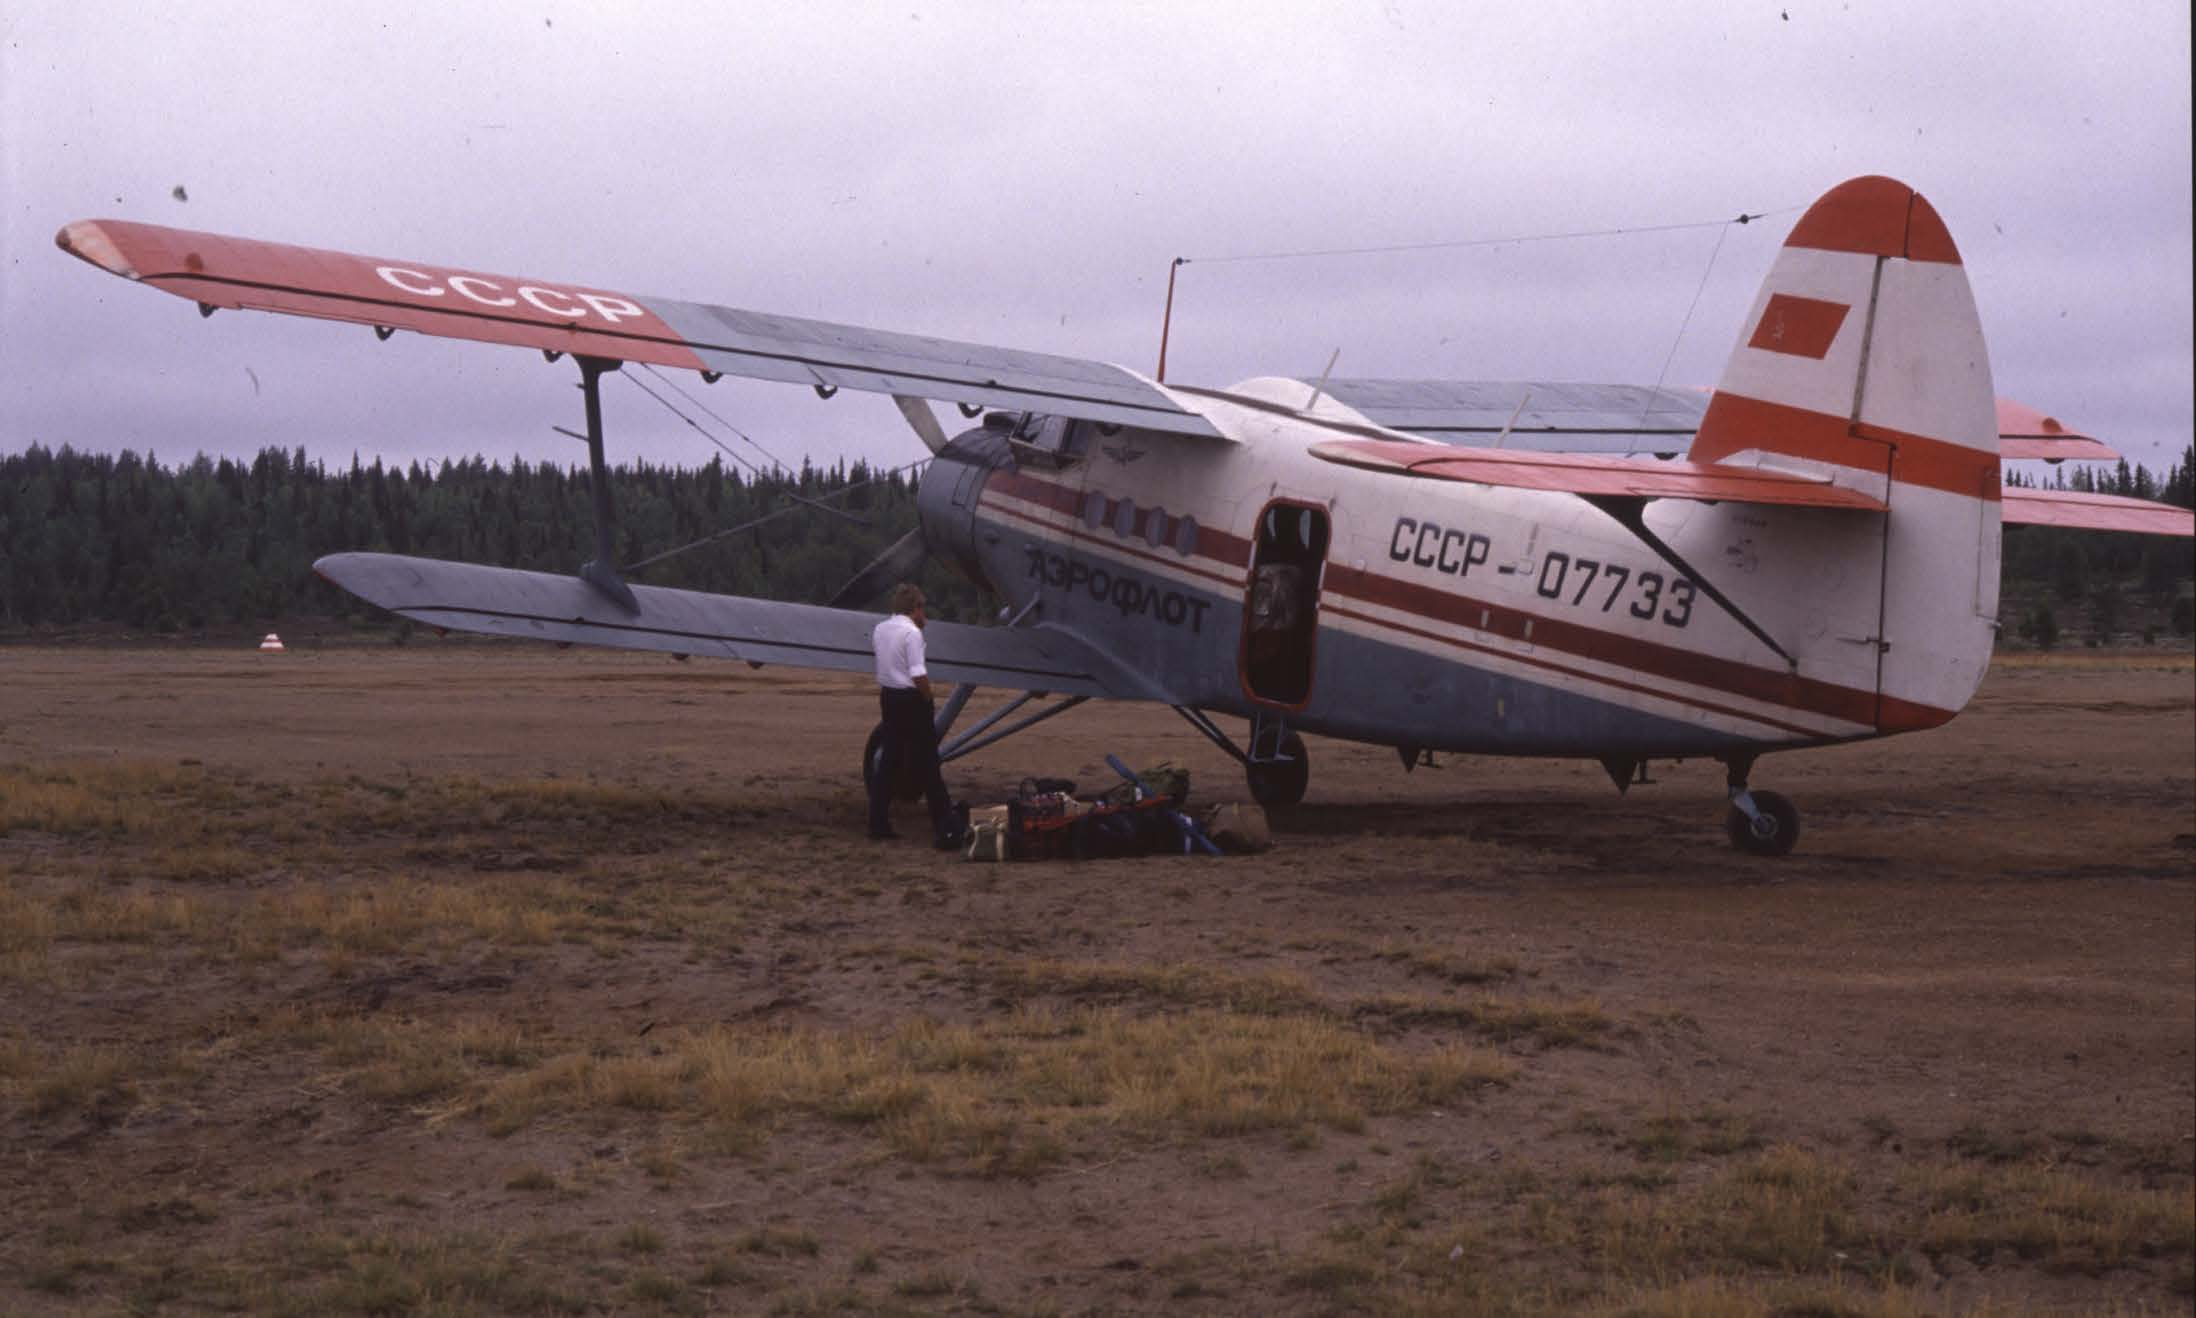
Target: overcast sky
{"points": [[1022, 173]]}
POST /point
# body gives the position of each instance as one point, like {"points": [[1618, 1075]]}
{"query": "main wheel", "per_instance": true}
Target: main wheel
{"points": [[1771, 835], [1279, 784], [909, 788]]}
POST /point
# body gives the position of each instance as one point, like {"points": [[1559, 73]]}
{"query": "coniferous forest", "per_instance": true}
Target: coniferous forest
{"points": [[97, 539]]}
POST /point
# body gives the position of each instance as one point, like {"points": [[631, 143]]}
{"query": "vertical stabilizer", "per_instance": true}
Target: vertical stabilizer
{"points": [[1863, 360]]}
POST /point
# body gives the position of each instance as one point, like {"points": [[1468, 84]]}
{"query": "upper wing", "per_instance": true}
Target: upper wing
{"points": [[2094, 512], [1551, 417], [2024, 432], [559, 316], [1595, 475], [1537, 415], [545, 607]]}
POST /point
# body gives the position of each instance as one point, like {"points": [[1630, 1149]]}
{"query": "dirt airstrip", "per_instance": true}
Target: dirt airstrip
{"points": [[464, 978]]}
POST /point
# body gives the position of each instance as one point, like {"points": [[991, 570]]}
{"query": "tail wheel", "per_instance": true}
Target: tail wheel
{"points": [[1279, 784], [909, 788], [1772, 834]]}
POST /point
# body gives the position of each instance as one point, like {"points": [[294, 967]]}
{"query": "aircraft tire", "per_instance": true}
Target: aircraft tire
{"points": [[1773, 835], [907, 789], [1278, 785]]}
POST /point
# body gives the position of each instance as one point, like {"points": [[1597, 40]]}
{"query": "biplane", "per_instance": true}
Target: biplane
{"points": [[1807, 554]]}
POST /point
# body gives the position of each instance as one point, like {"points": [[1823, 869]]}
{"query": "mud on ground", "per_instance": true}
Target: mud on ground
{"points": [[470, 978]]}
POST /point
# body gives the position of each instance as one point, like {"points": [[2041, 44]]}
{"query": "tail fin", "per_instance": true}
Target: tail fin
{"points": [[1863, 359]]}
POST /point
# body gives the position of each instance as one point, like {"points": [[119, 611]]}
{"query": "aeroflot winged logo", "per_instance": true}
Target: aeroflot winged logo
{"points": [[494, 294]]}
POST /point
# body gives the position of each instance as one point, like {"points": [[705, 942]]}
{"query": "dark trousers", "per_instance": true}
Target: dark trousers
{"points": [[909, 748]]}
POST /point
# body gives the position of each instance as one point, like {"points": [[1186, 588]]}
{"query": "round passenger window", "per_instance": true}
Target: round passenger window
{"points": [[1185, 536]]}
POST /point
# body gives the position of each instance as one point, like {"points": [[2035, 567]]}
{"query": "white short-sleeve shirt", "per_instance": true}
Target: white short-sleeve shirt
{"points": [[899, 646]]}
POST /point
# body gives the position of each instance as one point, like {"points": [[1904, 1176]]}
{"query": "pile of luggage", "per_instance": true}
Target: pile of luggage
{"points": [[1145, 814]]}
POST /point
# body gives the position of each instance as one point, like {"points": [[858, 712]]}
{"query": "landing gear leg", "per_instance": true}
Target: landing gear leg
{"points": [[1278, 768], [1276, 765], [1279, 783], [1760, 823]]}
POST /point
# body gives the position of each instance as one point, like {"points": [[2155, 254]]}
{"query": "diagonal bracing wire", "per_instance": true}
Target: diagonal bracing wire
{"points": [[1444, 244], [822, 504], [775, 513], [752, 442], [702, 430]]}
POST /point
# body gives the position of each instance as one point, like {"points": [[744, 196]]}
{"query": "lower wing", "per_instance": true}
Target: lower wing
{"points": [[545, 607]]}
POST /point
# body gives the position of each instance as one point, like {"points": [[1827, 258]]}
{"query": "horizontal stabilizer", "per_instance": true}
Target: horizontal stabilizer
{"points": [[543, 606], [1596, 476], [2077, 510]]}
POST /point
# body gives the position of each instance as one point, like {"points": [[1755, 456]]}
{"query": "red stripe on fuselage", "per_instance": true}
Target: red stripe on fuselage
{"points": [[1774, 687], [1600, 679]]}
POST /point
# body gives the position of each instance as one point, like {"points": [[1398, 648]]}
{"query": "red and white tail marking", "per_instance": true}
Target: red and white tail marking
{"points": [[1863, 360], [1864, 351]]}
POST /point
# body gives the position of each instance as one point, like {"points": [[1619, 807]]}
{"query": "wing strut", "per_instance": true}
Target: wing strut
{"points": [[1627, 510], [601, 571]]}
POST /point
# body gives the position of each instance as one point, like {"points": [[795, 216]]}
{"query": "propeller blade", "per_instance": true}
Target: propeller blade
{"points": [[924, 421], [900, 561]]}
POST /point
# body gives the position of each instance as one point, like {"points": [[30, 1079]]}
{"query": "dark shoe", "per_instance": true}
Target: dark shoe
{"points": [[883, 835]]}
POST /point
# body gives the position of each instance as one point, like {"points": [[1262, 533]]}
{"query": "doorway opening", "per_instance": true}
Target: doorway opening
{"points": [[1281, 607]]}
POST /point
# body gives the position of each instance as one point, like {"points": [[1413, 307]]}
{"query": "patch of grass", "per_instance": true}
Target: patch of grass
{"points": [[1334, 1276], [778, 1242], [1404, 1201], [400, 1273], [1983, 1143], [1434, 963], [1006, 1097], [726, 1270], [76, 1081], [1784, 1208], [2061, 1220], [927, 1285], [1180, 984], [101, 800], [1671, 1136], [657, 1290], [1221, 1167], [1725, 1297], [640, 1238], [27, 928], [152, 1214], [1579, 1022]]}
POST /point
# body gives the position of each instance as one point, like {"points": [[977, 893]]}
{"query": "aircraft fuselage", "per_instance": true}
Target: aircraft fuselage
{"points": [[1424, 614]]}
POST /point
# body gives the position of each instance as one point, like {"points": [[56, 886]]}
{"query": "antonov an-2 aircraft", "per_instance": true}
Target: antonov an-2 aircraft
{"points": [[1426, 565]]}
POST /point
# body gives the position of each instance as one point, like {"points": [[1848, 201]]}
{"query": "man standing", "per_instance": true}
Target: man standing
{"points": [[910, 741]]}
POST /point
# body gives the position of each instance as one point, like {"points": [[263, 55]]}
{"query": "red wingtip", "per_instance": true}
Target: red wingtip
{"points": [[87, 240], [1876, 216]]}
